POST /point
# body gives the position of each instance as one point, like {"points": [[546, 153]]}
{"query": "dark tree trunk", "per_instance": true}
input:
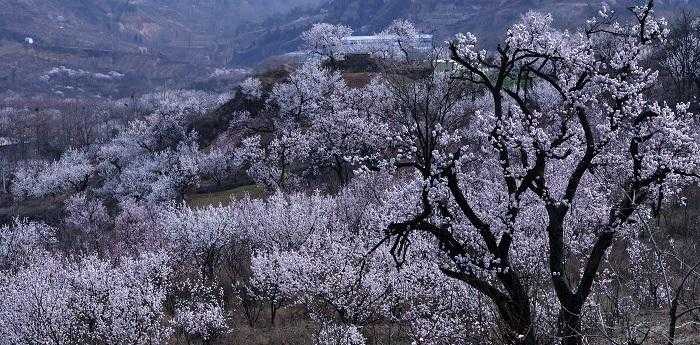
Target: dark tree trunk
{"points": [[570, 325], [273, 313], [517, 318], [672, 322]]}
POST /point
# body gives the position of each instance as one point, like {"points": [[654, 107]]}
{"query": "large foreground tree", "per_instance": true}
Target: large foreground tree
{"points": [[526, 189]]}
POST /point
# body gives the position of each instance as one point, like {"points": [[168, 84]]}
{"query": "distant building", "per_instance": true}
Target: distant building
{"points": [[377, 43], [4, 141], [449, 66], [14, 150], [296, 56]]}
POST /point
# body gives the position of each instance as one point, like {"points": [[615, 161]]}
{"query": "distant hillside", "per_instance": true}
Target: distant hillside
{"points": [[116, 48], [443, 18], [150, 42], [129, 23]]}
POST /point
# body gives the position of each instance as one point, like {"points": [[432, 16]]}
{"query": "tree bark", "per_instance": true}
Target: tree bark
{"points": [[517, 318], [570, 325]]}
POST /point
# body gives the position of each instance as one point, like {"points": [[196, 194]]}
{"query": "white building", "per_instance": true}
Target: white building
{"points": [[449, 66], [378, 43], [4, 141]]}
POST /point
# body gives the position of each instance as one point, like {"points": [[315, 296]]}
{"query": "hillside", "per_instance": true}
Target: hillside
{"points": [[146, 43], [117, 48], [443, 18]]}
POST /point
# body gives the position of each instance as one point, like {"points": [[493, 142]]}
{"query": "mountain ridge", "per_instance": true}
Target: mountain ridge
{"points": [[179, 43], [444, 18], [153, 42]]}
